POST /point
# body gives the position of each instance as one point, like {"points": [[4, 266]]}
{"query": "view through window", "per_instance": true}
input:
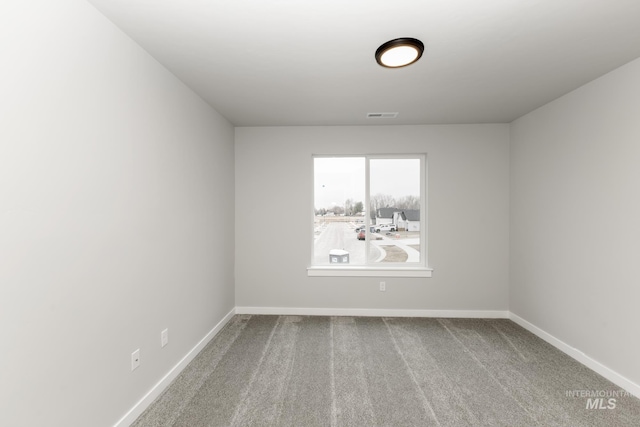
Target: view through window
{"points": [[369, 211]]}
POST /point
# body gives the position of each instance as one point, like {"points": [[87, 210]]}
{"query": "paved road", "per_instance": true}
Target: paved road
{"points": [[341, 235], [413, 255]]}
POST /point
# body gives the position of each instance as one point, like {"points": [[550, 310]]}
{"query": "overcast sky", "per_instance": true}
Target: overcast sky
{"points": [[338, 179]]}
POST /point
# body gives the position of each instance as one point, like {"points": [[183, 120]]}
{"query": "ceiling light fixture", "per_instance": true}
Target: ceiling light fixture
{"points": [[399, 52]]}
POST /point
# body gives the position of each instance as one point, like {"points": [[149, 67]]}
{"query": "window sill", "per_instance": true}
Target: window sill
{"points": [[342, 271]]}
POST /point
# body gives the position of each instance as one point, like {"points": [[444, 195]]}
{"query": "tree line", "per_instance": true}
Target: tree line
{"points": [[378, 201]]}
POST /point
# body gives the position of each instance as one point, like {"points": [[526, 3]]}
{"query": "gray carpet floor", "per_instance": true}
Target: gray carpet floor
{"points": [[364, 371]]}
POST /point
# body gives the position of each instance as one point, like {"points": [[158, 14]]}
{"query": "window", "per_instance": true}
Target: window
{"points": [[369, 216]]}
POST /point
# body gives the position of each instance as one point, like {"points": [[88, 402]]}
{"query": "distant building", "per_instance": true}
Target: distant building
{"points": [[384, 216], [403, 219], [407, 219]]}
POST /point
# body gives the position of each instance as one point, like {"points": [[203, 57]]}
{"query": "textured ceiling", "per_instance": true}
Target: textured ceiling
{"points": [[310, 62]]}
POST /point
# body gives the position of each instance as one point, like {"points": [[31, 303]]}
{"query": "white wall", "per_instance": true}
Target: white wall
{"points": [[112, 176], [575, 219], [467, 217]]}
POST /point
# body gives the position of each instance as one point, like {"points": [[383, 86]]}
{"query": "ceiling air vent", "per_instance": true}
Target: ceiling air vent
{"points": [[382, 115]]}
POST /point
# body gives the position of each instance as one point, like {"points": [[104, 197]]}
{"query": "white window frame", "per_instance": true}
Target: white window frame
{"points": [[419, 269]]}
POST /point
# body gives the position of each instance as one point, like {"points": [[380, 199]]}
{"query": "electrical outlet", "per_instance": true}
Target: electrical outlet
{"points": [[135, 359], [164, 337], [383, 286]]}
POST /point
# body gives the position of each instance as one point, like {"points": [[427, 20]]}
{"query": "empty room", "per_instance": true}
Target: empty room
{"points": [[306, 213]]}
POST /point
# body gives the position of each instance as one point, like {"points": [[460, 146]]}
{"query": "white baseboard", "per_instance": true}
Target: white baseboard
{"points": [[590, 363], [157, 389], [374, 312], [576, 354]]}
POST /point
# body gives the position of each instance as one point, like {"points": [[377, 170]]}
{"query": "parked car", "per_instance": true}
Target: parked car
{"points": [[362, 234], [359, 228], [385, 227]]}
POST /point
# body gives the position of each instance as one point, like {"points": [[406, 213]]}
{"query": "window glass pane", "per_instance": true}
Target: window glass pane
{"points": [[339, 204], [394, 199]]}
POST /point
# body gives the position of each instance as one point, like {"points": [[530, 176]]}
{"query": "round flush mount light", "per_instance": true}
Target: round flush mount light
{"points": [[399, 52]]}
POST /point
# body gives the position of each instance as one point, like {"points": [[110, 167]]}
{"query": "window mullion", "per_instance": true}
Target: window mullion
{"points": [[367, 219]]}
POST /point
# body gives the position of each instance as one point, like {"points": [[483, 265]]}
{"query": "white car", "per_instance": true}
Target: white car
{"points": [[385, 227]]}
